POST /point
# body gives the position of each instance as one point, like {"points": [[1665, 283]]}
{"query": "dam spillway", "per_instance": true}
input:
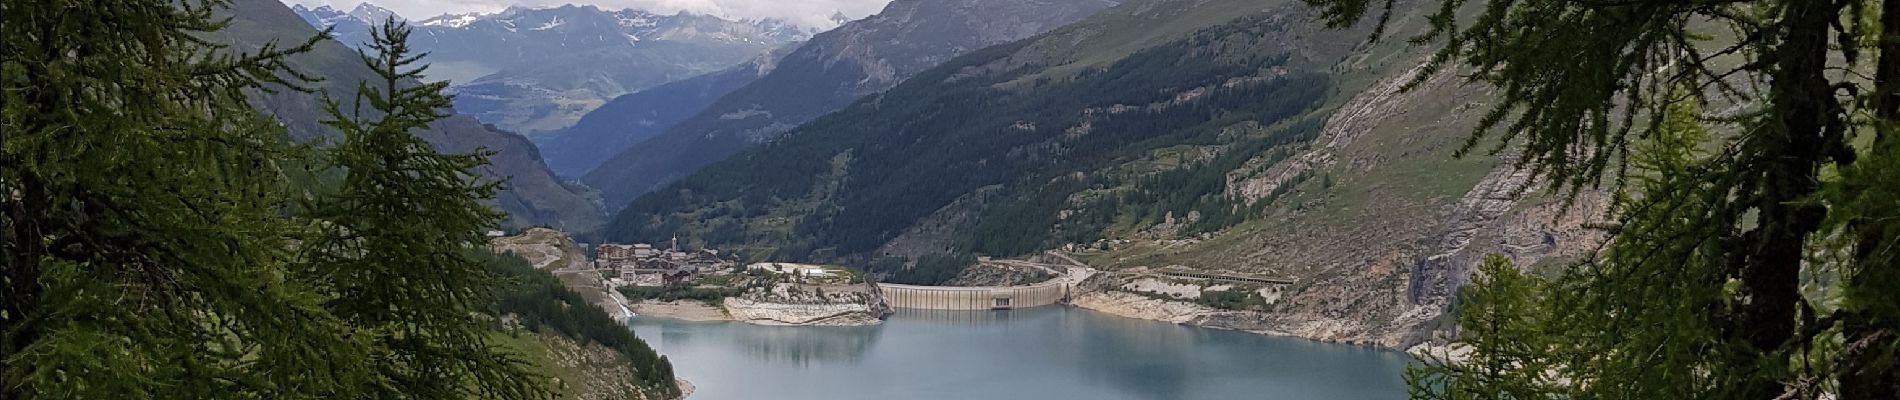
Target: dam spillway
{"points": [[974, 297]]}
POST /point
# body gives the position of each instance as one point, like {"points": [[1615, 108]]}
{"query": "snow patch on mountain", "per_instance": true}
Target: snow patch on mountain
{"points": [[458, 21], [551, 24]]}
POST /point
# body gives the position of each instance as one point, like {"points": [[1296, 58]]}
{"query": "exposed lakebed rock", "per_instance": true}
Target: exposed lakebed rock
{"points": [[798, 304]]}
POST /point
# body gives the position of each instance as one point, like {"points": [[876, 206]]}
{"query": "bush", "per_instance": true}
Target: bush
{"points": [[1231, 300]]}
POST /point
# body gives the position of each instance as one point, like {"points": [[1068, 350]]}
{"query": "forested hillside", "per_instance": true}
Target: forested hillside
{"points": [[536, 303], [1032, 155], [855, 179], [826, 73]]}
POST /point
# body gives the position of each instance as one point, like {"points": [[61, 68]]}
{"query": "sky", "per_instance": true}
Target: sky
{"points": [[807, 12]]}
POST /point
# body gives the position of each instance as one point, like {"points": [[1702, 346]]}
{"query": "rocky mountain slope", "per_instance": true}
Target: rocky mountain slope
{"points": [[635, 117], [533, 70], [531, 195], [826, 73], [1214, 135]]}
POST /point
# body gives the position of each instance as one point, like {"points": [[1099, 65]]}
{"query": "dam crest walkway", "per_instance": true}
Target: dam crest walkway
{"points": [[1053, 291]]}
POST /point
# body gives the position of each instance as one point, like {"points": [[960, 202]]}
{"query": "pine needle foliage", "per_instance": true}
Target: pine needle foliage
{"points": [[1500, 316], [394, 248], [159, 241], [142, 250], [1753, 264]]}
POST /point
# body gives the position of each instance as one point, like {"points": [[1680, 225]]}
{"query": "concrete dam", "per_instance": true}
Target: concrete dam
{"points": [[974, 298]]}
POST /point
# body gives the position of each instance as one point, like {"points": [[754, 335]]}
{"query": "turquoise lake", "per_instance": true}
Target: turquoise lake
{"points": [[1040, 353]]}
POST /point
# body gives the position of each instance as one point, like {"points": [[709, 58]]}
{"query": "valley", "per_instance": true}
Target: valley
{"points": [[1230, 164], [950, 199], [1232, 138], [533, 70]]}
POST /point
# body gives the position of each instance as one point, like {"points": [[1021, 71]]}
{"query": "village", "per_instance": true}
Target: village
{"points": [[646, 265], [671, 281]]}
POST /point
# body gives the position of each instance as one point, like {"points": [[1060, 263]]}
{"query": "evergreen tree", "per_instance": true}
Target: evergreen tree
{"points": [[1499, 316], [143, 253], [1700, 291], [394, 248]]}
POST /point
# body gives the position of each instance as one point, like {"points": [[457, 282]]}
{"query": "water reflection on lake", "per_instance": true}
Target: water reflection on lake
{"points": [[1042, 353]]}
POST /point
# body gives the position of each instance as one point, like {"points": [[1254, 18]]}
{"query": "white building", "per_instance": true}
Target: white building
{"points": [[806, 270]]}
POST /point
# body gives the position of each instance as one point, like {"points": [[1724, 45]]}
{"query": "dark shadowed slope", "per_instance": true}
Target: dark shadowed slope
{"points": [[833, 69], [635, 117]]}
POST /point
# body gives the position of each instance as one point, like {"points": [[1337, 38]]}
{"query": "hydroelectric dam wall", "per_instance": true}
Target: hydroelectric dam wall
{"points": [[974, 298]]}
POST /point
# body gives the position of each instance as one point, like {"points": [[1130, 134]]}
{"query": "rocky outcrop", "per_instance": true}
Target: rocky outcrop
{"points": [[1353, 120], [814, 305], [836, 314], [1130, 305], [1157, 298]]}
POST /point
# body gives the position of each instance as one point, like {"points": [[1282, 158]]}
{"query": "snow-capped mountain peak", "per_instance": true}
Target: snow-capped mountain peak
{"points": [[361, 17], [373, 14]]}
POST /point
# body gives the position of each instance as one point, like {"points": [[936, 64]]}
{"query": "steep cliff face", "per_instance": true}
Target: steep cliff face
{"points": [[826, 73], [530, 195]]}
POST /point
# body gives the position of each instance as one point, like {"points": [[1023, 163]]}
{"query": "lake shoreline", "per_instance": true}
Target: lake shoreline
{"points": [[682, 310], [1119, 305], [1041, 352]]}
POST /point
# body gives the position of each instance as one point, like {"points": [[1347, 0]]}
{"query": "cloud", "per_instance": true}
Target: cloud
{"points": [[806, 12]]}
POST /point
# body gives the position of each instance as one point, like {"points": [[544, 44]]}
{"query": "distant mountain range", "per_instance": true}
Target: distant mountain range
{"points": [[530, 195], [532, 70], [824, 74], [635, 117]]}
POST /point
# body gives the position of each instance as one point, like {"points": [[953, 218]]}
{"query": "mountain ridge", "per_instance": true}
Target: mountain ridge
{"points": [[538, 69], [831, 70], [530, 194], [636, 117]]}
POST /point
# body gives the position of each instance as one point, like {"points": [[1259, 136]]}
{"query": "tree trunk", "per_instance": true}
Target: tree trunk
{"points": [[1784, 172], [20, 286]]}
